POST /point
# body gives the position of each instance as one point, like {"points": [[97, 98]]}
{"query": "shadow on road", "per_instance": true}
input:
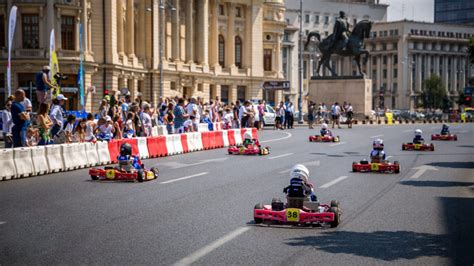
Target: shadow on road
{"points": [[466, 146], [383, 245], [430, 183], [466, 165]]}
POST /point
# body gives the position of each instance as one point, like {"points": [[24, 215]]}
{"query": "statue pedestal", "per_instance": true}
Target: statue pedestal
{"points": [[354, 90]]}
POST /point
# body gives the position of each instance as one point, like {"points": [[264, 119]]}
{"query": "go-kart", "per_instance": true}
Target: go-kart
{"points": [[298, 211], [325, 138], [119, 174], [251, 149], [418, 147], [378, 166], [444, 137]]}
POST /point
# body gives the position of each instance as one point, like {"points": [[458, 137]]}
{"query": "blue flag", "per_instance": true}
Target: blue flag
{"points": [[80, 74]]}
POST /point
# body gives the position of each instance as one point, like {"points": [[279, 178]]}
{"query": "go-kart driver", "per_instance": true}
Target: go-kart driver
{"points": [[377, 154], [325, 131], [126, 160], [418, 138], [248, 140], [299, 183], [445, 130]]}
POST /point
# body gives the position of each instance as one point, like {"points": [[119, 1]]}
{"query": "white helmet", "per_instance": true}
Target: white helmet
{"points": [[248, 135], [418, 132], [300, 171], [378, 143], [324, 126]]}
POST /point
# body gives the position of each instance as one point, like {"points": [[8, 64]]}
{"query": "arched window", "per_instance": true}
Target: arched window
{"points": [[221, 50], [238, 52]]}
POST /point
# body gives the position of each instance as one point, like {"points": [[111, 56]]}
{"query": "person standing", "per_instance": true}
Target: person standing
{"points": [[168, 119], [311, 114], [193, 112], [324, 112], [44, 123], [350, 113], [7, 125], [57, 114], [179, 116], [43, 84], [261, 113], [289, 115], [336, 113], [20, 119]]}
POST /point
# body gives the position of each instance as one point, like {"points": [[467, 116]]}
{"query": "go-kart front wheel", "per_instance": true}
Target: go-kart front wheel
{"points": [[337, 216], [397, 164], [155, 172], [258, 206], [140, 176], [354, 168], [94, 177]]}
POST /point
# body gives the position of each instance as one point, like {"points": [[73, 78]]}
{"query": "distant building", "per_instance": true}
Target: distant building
{"points": [[454, 11]]}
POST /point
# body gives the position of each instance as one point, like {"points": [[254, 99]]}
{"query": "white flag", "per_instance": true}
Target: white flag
{"points": [[11, 33], [52, 48]]}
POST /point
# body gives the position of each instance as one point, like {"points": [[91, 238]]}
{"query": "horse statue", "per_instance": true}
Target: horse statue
{"points": [[354, 47]]}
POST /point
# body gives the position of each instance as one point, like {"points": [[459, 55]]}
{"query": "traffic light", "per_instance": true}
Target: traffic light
{"points": [[106, 91], [467, 100]]}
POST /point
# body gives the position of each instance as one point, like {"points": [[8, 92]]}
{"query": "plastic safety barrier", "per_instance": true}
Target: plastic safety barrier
{"points": [[103, 152], [91, 153], [55, 158], [237, 137], [170, 145], [190, 142], [40, 162], [114, 150], [142, 147], [198, 142], [7, 164], [205, 139], [154, 131], [23, 162], [203, 127], [178, 147], [157, 146], [225, 138], [184, 142], [231, 137], [133, 143], [74, 156]]}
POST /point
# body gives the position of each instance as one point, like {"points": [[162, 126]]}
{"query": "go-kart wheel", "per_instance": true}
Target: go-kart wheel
{"points": [[336, 139], [94, 177], [432, 137], [334, 203], [354, 169], [403, 147], [397, 164], [140, 175], [155, 172], [337, 217], [431, 147], [258, 206]]}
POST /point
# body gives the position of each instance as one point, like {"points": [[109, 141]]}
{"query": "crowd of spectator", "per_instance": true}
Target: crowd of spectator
{"points": [[322, 114]]}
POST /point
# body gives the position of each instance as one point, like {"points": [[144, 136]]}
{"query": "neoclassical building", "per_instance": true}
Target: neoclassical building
{"points": [[211, 48]]}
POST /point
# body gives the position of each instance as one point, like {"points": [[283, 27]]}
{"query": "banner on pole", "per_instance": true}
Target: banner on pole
{"points": [[11, 33], [80, 75]]}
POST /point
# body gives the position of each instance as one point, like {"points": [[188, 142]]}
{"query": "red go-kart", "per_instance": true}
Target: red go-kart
{"points": [[117, 174], [298, 211], [377, 166], [325, 138], [418, 147], [251, 149], [444, 137]]}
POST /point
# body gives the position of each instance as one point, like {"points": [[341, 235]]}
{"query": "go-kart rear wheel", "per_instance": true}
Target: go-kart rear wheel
{"points": [[140, 176], [397, 165], [431, 147], [403, 147], [354, 169], [334, 203], [337, 217], [455, 138], [94, 177], [155, 172], [258, 206]]}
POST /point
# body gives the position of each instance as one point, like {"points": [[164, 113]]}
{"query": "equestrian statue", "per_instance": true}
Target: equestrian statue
{"points": [[343, 42]]}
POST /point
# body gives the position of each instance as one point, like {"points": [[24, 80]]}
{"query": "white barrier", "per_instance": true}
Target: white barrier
{"points": [[142, 148], [154, 131], [54, 157], [198, 142], [103, 152], [91, 153], [23, 162], [203, 127], [7, 164], [74, 156], [178, 146], [237, 137], [225, 138], [40, 162], [190, 141], [170, 145]]}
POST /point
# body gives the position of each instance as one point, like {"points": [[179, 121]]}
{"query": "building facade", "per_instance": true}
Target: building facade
{"points": [[319, 16], [454, 11], [405, 53], [211, 48]]}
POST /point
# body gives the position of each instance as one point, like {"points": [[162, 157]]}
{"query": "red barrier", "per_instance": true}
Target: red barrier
{"points": [[184, 142], [157, 146], [133, 143], [205, 136], [219, 139], [254, 133], [231, 136], [114, 150]]}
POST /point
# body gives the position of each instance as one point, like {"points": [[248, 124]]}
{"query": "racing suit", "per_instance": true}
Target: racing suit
{"points": [[127, 162], [301, 189], [325, 132], [445, 131], [377, 155], [418, 140]]}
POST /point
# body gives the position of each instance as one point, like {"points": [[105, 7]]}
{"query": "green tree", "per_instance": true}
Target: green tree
{"points": [[434, 94], [471, 49]]}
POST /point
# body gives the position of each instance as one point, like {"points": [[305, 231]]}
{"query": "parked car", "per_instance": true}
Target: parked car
{"points": [[269, 117]]}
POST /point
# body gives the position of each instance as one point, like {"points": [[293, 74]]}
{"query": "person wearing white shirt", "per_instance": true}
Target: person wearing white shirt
{"points": [[193, 112], [7, 125], [57, 114], [146, 121]]}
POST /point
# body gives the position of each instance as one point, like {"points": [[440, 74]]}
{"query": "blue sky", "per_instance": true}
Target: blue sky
{"points": [[419, 10]]}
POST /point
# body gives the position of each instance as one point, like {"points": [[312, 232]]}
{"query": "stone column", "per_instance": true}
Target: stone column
{"points": [[462, 74], [230, 40], [130, 29], [379, 72], [141, 49], [436, 65], [389, 74], [455, 72], [232, 93], [214, 35], [418, 85], [175, 32], [85, 23], [189, 32], [444, 74], [278, 59], [203, 29]]}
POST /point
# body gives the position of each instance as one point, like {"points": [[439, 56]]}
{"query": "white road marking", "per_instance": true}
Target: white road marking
{"points": [[408, 130], [337, 144], [280, 156], [388, 157], [288, 135], [312, 163], [184, 178], [339, 179], [421, 170], [2, 223], [376, 136], [210, 247], [177, 165]]}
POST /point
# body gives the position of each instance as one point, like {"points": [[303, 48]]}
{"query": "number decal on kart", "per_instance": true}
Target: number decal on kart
{"points": [[374, 166], [110, 174], [417, 146], [292, 215], [242, 150]]}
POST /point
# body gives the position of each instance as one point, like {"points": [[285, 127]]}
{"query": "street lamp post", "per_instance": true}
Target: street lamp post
{"points": [[162, 40], [300, 94]]}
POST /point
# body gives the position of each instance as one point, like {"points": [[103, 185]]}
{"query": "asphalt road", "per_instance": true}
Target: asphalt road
{"points": [[200, 209]]}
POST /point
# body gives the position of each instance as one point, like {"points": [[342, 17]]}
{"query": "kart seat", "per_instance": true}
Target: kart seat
{"points": [[296, 202], [314, 206], [126, 165]]}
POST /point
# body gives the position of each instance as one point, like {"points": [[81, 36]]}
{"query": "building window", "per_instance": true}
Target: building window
{"points": [[384, 73], [305, 69], [221, 51], [238, 52], [384, 47], [284, 52], [173, 85], [395, 59], [316, 19], [286, 37], [267, 59], [326, 20], [225, 93], [306, 18], [68, 33], [30, 30], [374, 60], [395, 73], [2, 32], [221, 10], [384, 59], [238, 12], [241, 93], [394, 88], [200, 87]]}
